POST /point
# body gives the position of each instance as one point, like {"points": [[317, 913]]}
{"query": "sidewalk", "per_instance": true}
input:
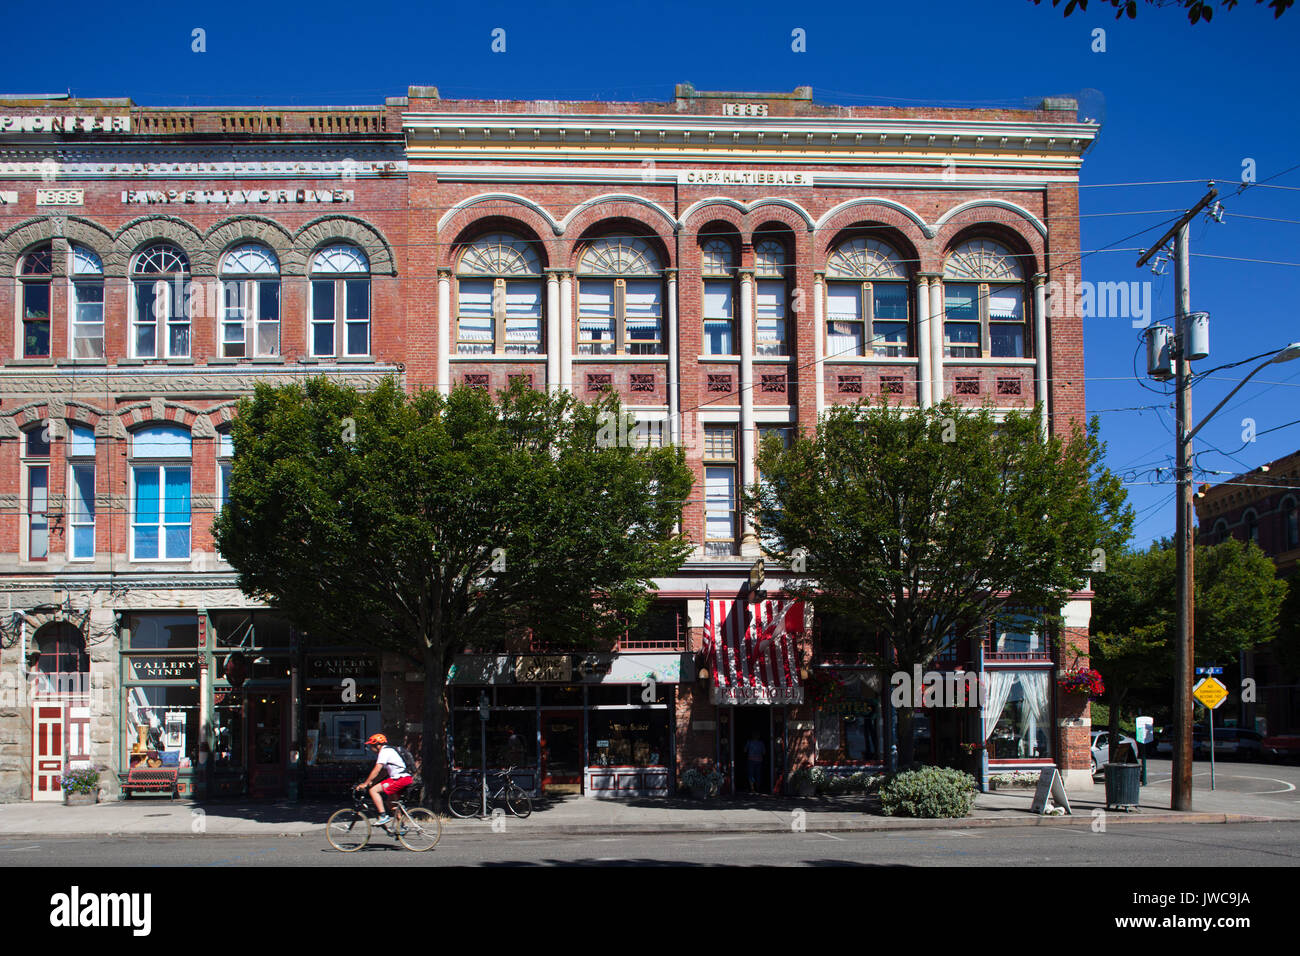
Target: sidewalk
{"points": [[143, 816]]}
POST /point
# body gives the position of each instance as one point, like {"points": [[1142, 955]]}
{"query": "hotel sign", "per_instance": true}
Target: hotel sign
{"points": [[743, 177], [231, 196], [65, 124]]}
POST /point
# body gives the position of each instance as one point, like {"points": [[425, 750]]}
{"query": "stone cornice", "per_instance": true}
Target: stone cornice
{"points": [[120, 382]]}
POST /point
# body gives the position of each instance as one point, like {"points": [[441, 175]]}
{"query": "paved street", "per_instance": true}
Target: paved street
{"points": [[1137, 845]]}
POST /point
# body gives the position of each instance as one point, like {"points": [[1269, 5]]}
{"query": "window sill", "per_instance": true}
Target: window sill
{"points": [[871, 360], [355, 360], [38, 362], [495, 357], [1027, 362], [656, 359], [720, 359], [82, 361], [308, 360], [783, 359], [179, 361]]}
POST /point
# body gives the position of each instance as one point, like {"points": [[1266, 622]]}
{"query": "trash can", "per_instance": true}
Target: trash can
{"points": [[1123, 784]]}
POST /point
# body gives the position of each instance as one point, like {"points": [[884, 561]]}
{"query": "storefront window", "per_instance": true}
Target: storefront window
{"points": [[628, 738], [163, 720], [511, 739], [849, 728], [227, 730], [1016, 718], [561, 696]]}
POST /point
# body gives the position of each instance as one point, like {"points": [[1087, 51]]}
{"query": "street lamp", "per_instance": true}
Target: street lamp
{"points": [[1292, 351]]}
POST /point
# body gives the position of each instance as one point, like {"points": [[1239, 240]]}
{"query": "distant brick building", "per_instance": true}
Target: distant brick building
{"points": [[729, 263], [1262, 506]]}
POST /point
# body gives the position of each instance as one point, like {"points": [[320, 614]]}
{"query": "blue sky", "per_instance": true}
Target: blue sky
{"points": [[1180, 103]]}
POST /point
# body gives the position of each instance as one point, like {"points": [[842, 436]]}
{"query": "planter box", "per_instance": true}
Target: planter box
{"points": [[80, 799]]}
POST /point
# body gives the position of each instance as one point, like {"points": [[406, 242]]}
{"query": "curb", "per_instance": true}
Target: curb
{"points": [[848, 826]]}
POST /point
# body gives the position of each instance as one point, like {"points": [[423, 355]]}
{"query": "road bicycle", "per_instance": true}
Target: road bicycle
{"points": [[349, 829], [467, 800]]}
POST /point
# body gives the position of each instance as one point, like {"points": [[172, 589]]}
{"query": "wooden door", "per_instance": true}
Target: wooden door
{"points": [[47, 751]]}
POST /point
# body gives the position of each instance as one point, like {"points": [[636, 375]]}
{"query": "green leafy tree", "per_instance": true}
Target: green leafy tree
{"points": [[1238, 597], [1197, 10], [433, 525], [915, 524]]}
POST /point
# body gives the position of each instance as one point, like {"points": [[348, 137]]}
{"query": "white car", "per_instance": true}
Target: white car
{"points": [[1101, 749]]}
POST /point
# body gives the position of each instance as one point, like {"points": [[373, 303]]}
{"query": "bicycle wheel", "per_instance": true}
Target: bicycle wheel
{"points": [[465, 801], [419, 829], [348, 830], [519, 802]]}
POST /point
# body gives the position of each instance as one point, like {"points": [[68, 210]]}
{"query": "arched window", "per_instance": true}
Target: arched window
{"points": [[250, 317], [866, 300], [80, 449], [770, 294], [160, 493], [34, 290], [499, 297], [620, 298], [86, 309], [160, 284], [36, 471], [62, 649], [1250, 522], [1290, 523], [718, 267], [1220, 533], [984, 302], [340, 301]]}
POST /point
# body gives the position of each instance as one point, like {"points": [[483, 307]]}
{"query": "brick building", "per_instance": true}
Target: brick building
{"points": [[1261, 506], [729, 263]]}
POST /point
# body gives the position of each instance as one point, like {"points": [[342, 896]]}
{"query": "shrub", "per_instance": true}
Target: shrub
{"points": [[705, 784], [930, 792]]}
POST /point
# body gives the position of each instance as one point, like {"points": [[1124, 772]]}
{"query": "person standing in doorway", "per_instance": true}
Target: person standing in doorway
{"points": [[755, 751]]}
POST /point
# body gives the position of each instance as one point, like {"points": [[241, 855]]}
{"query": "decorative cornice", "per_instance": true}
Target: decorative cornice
{"points": [[222, 382]]}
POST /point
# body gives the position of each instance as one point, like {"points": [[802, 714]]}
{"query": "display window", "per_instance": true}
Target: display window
{"points": [[629, 737], [511, 739], [163, 725], [1017, 714]]}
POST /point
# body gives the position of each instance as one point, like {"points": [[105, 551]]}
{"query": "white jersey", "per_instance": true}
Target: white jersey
{"points": [[392, 762]]}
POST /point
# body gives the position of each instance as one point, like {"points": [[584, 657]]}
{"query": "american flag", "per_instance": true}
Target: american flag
{"points": [[708, 627], [755, 654]]}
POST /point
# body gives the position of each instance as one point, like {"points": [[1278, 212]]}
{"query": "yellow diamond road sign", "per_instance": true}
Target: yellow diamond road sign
{"points": [[1210, 692]]}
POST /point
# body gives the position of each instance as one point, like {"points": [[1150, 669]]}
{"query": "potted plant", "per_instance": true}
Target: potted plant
{"points": [[698, 785], [801, 783], [1082, 680], [80, 787]]}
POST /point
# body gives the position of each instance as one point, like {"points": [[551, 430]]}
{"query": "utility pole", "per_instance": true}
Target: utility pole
{"points": [[1181, 784]]}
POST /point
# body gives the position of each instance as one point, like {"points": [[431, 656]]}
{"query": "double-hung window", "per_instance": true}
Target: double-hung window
{"points": [[867, 300], [984, 302], [36, 452], [160, 494], [160, 285], [720, 501], [81, 493], [34, 288], [770, 298], [718, 267], [340, 301], [86, 308], [225, 460], [499, 297], [620, 298], [250, 312]]}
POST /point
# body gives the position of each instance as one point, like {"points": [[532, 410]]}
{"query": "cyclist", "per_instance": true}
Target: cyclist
{"points": [[398, 779]]}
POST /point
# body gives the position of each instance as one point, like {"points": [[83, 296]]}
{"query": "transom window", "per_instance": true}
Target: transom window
{"points": [[499, 297], [86, 309], [867, 301], [340, 301], [620, 298], [160, 284], [984, 302], [34, 288], [250, 315], [718, 266], [160, 493], [770, 294]]}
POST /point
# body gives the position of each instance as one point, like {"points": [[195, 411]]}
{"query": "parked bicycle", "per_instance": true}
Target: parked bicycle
{"points": [[349, 829], [466, 800]]}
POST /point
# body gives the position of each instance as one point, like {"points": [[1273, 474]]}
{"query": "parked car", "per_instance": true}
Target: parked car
{"points": [[1165, 742], [1101, 748], [1280, 747], [1229, 743]]}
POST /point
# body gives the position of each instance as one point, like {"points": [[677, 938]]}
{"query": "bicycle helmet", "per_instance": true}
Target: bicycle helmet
{"points": [[376, 739]]}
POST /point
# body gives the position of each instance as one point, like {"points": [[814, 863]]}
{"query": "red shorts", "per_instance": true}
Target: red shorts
{"points": [[396, 785]]}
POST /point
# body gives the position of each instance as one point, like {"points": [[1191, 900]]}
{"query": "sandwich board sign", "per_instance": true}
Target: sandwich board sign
{"points": [[1049, 784]]}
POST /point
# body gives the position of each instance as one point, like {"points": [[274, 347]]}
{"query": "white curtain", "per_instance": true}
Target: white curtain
{"points": [[999, 690], [1034, 685]]}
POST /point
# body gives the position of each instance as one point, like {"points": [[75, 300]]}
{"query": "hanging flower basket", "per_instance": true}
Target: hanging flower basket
{"points": [[1084, 681], [824, 687]]}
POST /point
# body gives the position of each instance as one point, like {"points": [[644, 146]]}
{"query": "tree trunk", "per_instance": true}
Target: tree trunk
{"points": [[433, 756], [906, 740], [1112, 725]]}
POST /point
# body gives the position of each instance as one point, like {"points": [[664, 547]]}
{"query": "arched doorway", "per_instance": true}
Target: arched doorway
{"points": [[60, 707]]}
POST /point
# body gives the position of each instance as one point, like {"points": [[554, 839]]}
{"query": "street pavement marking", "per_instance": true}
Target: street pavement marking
{"points": [[20, 849], [841, 839]]}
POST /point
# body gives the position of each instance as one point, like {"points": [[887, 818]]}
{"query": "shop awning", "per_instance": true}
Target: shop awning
{"points": [[752, 651]]}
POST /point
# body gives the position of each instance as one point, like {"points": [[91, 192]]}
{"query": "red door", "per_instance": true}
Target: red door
{"points": [[562, 750]]}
